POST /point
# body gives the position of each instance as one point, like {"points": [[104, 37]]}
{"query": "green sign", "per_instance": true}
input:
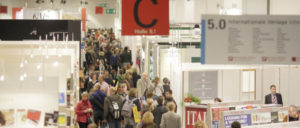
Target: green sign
{"points": [[110, 11], [104, 5]]}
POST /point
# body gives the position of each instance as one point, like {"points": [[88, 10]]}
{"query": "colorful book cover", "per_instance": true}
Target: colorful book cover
{"points": [[34, 116], [55, 117], [21, 116], [216, 113], [274, 117], [7, 117], [62, 97], [49, 119], [69, 84], [68, 100], [68, 120], [62, 119]]}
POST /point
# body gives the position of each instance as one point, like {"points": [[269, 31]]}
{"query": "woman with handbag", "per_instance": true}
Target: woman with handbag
{"points": [[84, 111]]}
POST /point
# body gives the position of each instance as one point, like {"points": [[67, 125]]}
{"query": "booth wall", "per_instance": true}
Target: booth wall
{"points": [[285, 78]]}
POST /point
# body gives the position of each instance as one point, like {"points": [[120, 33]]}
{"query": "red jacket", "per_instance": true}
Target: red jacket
{"points": [[81, 106]]}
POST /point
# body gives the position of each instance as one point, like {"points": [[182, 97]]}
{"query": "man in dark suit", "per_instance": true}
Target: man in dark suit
{"points": [[273, 98]]}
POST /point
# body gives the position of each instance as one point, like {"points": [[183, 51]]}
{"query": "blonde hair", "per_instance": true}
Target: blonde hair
{"points": [[171, 106], [150, 104], [132, 92], [200, 124], [148, 118], [112, 90]]}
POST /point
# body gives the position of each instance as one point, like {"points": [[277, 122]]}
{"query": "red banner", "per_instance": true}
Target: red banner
{"points": [[192, 115], [145, 17], [3, 9]]}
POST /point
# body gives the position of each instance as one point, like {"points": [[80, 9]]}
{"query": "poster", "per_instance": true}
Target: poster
{"points": [[21, 116], [34, 116], [261, 118], [216, 113], [62, 119], [204, 84], [192, 115], [252, 39], [7, 117], [245, 120], [62, 98], [49, 119]]}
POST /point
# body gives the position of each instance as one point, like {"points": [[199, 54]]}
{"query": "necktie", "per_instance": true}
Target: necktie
{"points": [[274, 100]]}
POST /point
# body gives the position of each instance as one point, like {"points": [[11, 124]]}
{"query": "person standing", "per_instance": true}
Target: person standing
{"points": [[103, 85], [126, 57], [293, 114], [132, 100], [83, 111], [135, 77], [166, 85], [169, 98], [170, 119], [159, 110], [273, 97], [97, 101], [112, 109], [92, 82], [142, 85], [147, 121], [108, 79], [157, 88]]}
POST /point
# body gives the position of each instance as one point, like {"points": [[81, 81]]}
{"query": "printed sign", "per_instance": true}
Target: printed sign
{"points": [[204, 84], [250, 39], [192, 115], [145, 17], [245, 120]]}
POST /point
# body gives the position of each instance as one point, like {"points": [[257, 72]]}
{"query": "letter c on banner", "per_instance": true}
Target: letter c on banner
{"points": [[136, 17]]}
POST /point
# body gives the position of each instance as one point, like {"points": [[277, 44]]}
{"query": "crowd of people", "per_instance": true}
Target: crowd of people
{"points": [[115, 95]]}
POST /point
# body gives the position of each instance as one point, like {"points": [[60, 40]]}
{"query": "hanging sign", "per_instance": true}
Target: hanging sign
{"points": [[145, 17], [250, 39]]}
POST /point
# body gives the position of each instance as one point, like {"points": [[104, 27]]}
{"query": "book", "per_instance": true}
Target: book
{"points": [[49, 119], [21, 116], [9, 117], [55, 117], [62, 119], [34, 116], [61, 100]]}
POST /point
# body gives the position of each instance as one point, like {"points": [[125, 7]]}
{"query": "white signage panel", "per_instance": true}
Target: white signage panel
{"points": [[254, 39]]}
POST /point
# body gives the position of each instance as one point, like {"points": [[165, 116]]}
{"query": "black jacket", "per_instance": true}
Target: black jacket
{"points": [[268, 99], [126, 57], [171, 100], [158, 112], [135, 78]]}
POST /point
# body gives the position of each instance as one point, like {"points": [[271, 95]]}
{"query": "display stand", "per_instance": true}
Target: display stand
{"points": [[214, 110], [40, 83], [295, 124], [254, 117]]}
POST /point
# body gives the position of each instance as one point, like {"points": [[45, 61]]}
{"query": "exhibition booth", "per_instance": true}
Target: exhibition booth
{"points": [[39, 83]]}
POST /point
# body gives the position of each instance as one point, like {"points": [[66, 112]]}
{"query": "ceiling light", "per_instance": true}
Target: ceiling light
{"points": [[40, 78], [31, 56], [21, 65], [47, 57], [2, 78], [59, 55], [22, 78], [38, 67], [25, 75], [26, 61], [55, 63]]}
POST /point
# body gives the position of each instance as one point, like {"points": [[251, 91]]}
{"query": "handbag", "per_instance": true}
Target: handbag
{"points": [[90, 120]]}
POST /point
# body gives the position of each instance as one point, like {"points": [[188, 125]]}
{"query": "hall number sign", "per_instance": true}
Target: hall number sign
{"points": [[145, 17]]}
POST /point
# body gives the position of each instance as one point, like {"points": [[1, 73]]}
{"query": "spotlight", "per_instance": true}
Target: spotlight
{"points": [[2, 78], [40, 78]]}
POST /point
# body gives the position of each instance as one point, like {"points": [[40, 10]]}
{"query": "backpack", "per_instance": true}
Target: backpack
{"points": [[115, 109], [127, 108]]}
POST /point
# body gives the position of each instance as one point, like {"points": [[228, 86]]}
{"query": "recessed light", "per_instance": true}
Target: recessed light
{"points": [[22, 78], [2, 78], [40, 78], [38, 67], [21, 65]]}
